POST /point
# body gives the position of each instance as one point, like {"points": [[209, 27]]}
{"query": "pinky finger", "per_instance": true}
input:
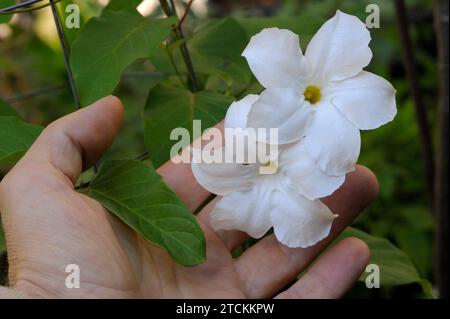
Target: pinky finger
{"points": [[333, 274]]}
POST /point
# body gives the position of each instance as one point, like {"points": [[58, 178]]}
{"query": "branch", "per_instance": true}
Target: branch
{"points": [[35, 93], [170, 11], [27, 6], [65, 51], [186, 12], [441, 186], [416, 94], [50, 89]]}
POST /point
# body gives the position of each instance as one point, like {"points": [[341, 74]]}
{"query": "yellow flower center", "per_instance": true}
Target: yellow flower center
{"points": [[271, 165], [312, 94]]}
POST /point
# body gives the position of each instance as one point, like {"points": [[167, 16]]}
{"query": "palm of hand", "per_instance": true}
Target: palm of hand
{"points": [[49, 226], [114, 261]]}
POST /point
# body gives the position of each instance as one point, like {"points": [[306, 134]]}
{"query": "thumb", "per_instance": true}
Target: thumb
{"points": [[76, 141]]}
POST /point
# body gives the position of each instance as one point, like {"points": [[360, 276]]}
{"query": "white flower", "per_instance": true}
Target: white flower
{"points": [[324, 97], [255, 202], [318, 103]]}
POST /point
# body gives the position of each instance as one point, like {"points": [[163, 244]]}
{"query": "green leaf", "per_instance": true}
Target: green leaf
{"points": [[395, 266], [225, 39], [6, 110], [15, 138], [135, 193], [215, 50], [5, 18], [110, 43], [122, 4], [171, 107]]}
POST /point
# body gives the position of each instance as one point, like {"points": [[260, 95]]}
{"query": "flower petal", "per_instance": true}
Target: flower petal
{"points": [[275, 58], [237, 112], [339, 50], [332, 141], [283, 109], [304, 175], [366, 100], [222, 179], [247, 211], [298, 221]]}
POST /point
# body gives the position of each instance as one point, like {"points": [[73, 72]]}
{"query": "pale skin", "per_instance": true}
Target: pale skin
{"points": [[49, 226]]}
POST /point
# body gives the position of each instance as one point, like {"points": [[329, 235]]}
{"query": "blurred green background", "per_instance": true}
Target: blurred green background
{"points": [[33, 81]]}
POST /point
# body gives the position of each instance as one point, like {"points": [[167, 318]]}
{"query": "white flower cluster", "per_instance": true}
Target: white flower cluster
{"points": [[318, 102]]}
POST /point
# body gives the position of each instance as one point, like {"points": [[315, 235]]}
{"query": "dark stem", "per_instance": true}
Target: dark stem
{"points": [[25, 7], [170, 11], [57, 87], [35, 93], [142, 157], [409, 63], [204, 203], [441, 266], [65, 51]]}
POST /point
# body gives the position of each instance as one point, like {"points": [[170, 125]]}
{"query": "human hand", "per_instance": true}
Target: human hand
{"points": [[49, 225]]}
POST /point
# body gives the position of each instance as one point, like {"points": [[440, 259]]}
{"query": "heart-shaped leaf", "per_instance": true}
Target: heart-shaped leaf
{"points": [[110, 43], [135, 193]]}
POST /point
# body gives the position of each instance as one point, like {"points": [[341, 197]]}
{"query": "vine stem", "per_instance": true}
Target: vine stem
{"points": [[65, 51], [409, 63], [25, 7], [441, 237], [170, 10]]}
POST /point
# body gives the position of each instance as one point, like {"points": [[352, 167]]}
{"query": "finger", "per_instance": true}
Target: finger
{"points": [[58, 156], [333, 274], [76, 141], [268, 266], [231, 238], [179, 177]]}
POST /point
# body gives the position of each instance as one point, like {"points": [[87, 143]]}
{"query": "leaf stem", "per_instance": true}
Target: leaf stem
{"points": [[186, 11], [170, 10], [409, 62], [174, 65], [142, 157]]}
